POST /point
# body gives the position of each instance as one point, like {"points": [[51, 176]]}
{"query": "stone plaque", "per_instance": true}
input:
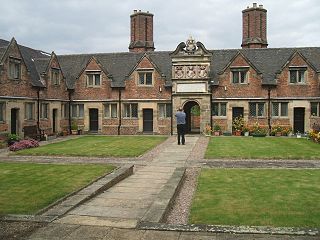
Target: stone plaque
{"points": [[191, 87]]}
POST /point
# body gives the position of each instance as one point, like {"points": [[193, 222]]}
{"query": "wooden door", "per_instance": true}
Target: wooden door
{"points": [[298, 119], [94, 120], [147, 120]]}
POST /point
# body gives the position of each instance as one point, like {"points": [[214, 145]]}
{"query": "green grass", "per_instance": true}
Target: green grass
{"points": [[262, 148], [28, 187], [98, 146], [257, 197]]}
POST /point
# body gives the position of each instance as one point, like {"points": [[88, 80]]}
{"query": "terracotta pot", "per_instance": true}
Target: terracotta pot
{"points": [[237, 133]]}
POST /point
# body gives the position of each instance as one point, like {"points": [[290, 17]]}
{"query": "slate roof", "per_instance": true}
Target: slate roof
{"points": [[267, 61]]}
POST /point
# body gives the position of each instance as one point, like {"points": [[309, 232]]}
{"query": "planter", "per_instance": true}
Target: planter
{"points": [[278, 134], [258, 135], [74, 132], [237, 133], [246, 134], [298, 135], [216, 133]]}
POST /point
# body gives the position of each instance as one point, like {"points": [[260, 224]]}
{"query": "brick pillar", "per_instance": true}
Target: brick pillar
{"points": [[254, 27], [141, 32]]}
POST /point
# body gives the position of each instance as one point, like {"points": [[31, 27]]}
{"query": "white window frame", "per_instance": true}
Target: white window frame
{"points": [[163, 110], [129, 114], [93, 74], [108, 107], [219, 109], [144, 72], [297, 71], [280, 106]]}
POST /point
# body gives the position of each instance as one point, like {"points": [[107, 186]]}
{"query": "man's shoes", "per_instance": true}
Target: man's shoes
{"points": [[183, 144], [178, 143]]}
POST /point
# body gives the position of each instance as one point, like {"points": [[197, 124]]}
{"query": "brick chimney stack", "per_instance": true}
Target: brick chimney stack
{"points": [[254, 27], [141, 32]]}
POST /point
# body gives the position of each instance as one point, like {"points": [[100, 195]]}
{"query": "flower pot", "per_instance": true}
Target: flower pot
{"points": [[237, 133], [217, 133], [278, 134], [246, 134]]}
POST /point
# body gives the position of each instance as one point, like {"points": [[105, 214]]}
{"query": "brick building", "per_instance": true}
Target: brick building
{"points": [[138, 91]]}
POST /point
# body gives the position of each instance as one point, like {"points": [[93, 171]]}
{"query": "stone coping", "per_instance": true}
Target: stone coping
{"points": [[71, 201], [229, 229], [164, 200]]}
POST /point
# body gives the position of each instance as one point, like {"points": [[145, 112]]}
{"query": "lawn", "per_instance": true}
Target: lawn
{"points": [[26, 188], [98, 146], [262, 148], [257, 197]]}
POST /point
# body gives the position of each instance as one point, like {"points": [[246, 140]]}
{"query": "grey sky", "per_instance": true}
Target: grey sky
{"points": [[84, 26]]}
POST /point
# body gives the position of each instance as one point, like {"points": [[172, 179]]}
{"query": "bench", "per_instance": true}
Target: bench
{"points": [[33, 132]]}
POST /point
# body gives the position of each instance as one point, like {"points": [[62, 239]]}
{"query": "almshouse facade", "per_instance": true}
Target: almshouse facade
{"points": [[138, 91]]}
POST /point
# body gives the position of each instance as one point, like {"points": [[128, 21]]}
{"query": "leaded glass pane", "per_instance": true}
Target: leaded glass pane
{"points": [[168, 110], [235, 77], [2, 111], [97, 79], [243, 76], [134, 110], [141, 78], [107, 110], [293, 76], [301, 76], [260, 109], [149, 78], [114, 111], [275, 109], [223, 109], [81, 110], [284, 109], [252, 109], [314, 109], [215, 109]]}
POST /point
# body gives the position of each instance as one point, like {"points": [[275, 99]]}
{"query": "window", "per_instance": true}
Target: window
{"points": [[2, 111], [14, 68], [297, 75], [239, 75], [110, 110], [64, 110], [55, 76], [145, 78], [165, 110], [256, 109], [131, 110], [315, 109], [29, 111], [219, 109], [93, 79], [77, 110], [280, 109], [44, 109]]}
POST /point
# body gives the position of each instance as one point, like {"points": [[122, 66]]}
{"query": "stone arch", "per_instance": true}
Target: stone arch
{"points": [[192, 121]]}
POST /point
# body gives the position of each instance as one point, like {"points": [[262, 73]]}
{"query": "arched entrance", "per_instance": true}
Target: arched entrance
{"points": [[192, 110]]}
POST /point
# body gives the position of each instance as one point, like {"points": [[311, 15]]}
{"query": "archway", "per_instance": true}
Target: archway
{"points": [[192, 110]]}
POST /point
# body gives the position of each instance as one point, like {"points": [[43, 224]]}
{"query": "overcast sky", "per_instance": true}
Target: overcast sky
{"points": [[89, 26]]}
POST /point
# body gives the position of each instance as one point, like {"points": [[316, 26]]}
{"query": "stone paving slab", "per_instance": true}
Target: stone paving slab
{"points": [[113, 202]]}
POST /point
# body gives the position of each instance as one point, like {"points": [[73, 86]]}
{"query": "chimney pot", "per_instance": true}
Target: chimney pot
{"points": [[135, 11], [260, 6], [254, 5]]}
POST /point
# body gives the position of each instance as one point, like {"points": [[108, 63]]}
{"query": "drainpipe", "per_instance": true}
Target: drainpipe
{"points": [[69, 105], [120, 114], [269, 108], [38, 106], [211, 107]]}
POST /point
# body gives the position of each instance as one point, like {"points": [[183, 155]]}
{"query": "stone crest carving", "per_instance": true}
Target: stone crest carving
{"points": [[179, 72], [203, 72], [191, 45], [191, 71]]}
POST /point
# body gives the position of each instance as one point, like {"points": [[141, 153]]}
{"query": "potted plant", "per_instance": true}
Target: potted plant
{"points": [[217, 130], [207, 130], [74, 127], [12, 138], [258, 131], [246, 130], [237, 125], [287, 131], [276, 130]]}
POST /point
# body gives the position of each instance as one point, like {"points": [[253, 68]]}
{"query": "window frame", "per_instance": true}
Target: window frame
{"points": [[239, 71], [15, 62], [257, 110], [110, 107], [26, 111], [2, 112], [130, 115], [167, 110], [219, 109], [280, 110], [145, 72], [317, 108], [44, 111], [55, 76], [297, 71], [64, 110], [93, 74], [75, 110]]}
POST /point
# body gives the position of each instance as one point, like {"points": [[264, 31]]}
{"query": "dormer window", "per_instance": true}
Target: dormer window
{"points": [[15, 68], [55, 76], [145, 77], [93, 78], [297, 75], [239, 75]]}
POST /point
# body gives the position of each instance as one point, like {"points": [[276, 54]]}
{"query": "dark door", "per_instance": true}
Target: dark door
{"points": [[14, 120], [93, 115], [237, 112], [147, 120], [298, 120], [54, 120]]}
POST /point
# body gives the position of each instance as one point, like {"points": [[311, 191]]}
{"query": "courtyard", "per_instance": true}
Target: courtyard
{"points": [[279, 197]]}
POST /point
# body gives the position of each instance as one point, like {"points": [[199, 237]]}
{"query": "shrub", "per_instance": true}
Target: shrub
{"points": [[23, 144], [217, 128], [256, 129], [238, 123], [314, 136]]}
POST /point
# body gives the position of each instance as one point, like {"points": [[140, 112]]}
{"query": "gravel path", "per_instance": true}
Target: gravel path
{"points": [[18, 230], [179, 211]]}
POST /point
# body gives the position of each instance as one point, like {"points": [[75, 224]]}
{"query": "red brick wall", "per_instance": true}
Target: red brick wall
{"points": [[285, 89]]}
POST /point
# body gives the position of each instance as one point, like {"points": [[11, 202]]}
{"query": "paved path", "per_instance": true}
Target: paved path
{"points": [[125, 204]]}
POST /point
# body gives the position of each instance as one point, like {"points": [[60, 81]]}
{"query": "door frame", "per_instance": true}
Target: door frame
{"points": [[144, 110]]}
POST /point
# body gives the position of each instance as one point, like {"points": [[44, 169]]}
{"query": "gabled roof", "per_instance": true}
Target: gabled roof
{"points": [[41, 65]]}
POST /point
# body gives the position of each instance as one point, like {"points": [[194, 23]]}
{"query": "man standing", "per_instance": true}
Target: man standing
{"points": [[181, 121]]}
